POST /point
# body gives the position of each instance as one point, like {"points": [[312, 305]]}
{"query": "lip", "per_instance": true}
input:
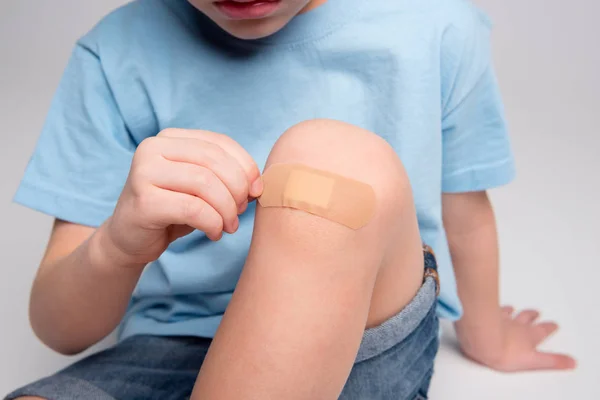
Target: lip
{"points": [[247, 9]]}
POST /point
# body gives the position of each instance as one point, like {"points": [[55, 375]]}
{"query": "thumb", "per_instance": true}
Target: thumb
{"points": [[178, 231], [552, 361]]}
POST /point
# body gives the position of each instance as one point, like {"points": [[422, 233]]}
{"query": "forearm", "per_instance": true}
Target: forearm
{"points": [[472, 236], [79, 299]]}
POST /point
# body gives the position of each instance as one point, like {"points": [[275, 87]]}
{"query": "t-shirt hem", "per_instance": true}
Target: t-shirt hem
{"points": [[481, 178], [136, 325], [449, 312], [206, 327]]}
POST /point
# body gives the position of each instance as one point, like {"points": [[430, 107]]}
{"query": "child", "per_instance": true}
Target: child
{"points": [[151, 152]]}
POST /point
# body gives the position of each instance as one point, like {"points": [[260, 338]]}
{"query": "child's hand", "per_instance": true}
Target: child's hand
{"points": [[179, 181], [522, 336]]}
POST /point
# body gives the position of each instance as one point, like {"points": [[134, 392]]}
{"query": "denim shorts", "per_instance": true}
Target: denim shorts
{"points": [[394, 361]]}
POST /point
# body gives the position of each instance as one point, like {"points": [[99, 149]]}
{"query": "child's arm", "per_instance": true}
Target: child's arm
{"points": [[81, 290], [179, 181], [487, 333]]}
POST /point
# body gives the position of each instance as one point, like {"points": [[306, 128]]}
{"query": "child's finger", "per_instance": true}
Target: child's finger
{"points": [[226, 143], [552, 361], [165, 207], [178, 231], [508, 311], [200, 182], [527, 316], [208, 155], [543, 330]]}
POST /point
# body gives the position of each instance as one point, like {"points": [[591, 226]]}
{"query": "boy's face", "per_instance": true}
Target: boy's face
{"points": [[253, 19]]}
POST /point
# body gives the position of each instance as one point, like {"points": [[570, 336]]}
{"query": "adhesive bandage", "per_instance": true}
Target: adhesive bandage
{"points": [[325, 194]]}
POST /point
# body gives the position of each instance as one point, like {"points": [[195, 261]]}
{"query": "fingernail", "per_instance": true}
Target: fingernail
{"points": [[257, 188], [235, 225], [243, 207]]}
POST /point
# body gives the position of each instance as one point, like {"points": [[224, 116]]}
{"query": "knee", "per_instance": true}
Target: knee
{"points": [[353, 152]]}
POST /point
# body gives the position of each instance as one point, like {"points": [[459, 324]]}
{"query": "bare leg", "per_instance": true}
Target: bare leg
{"points": [[310, 286]]}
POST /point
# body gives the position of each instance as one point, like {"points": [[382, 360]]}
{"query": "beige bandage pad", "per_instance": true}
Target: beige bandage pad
{"points": [[331, 196]]}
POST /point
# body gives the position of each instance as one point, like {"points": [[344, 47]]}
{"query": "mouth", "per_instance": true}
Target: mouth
{"points": [[247, 9]]}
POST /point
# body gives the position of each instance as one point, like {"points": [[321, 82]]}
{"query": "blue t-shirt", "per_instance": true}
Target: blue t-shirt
{"points": [[416, 72]]}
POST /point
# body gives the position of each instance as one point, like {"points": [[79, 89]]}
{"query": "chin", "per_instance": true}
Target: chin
{"points": [[253, 29]]}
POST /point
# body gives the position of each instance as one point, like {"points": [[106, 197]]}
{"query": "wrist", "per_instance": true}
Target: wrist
{"points": [[105, 253], [483, 341]]}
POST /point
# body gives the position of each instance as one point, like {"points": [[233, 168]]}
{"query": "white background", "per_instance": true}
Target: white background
{"points": [[548, 60]]}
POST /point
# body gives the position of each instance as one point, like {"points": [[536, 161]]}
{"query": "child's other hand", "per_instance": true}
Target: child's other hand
{"points": [[522, 336], [179, 181]]}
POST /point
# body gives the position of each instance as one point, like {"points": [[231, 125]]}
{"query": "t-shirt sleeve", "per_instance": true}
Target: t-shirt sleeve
{"points": [[476, 149], [84, 152]]}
